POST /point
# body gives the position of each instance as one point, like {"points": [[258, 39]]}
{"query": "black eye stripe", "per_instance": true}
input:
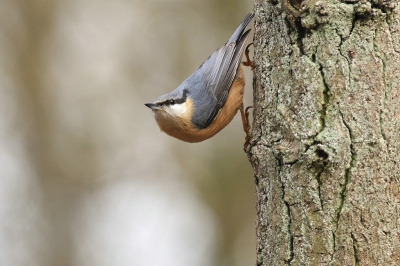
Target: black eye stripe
{"points": [[175, 101]]}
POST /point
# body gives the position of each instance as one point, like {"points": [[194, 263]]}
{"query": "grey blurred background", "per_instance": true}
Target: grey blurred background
{"points": [[86, 177]]}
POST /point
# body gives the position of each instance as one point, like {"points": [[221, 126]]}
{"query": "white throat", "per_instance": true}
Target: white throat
{"points": [[177, 109]]}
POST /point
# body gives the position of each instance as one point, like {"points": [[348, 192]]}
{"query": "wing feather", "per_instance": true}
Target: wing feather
{"points": [[223, 73], [216, 76]]}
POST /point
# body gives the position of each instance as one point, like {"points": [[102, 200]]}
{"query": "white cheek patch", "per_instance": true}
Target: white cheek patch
{"points": [[177, 109]]}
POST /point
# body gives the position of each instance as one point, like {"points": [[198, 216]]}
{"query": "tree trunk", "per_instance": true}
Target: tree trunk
{"points": [[326, 133]]}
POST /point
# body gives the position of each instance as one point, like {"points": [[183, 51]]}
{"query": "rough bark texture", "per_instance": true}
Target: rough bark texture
{"points": [[326, 133]]}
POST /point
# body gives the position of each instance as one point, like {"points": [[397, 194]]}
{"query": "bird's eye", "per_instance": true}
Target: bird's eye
{"points": [[171, 102]]}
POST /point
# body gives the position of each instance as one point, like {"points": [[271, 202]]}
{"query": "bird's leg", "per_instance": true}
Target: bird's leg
{"points": [[248, 62], [246, 124]]}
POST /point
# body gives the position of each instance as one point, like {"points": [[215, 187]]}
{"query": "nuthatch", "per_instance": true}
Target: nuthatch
{"points": [[208, 100]]}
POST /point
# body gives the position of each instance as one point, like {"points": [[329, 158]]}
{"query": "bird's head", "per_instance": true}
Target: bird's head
{"points": [[172, 108]]}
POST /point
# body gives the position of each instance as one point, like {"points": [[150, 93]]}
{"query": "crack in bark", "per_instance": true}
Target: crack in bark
{"points": [[334, 245], [347, 171], [346, 177], [318, 177], [344, 186], [340, 51], [326, 98], [290, 234], [352, 160], [355, 250], [291, 256], [353, 24]]}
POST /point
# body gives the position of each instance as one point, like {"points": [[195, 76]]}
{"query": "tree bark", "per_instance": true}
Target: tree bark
{"points": [[326, 132]]}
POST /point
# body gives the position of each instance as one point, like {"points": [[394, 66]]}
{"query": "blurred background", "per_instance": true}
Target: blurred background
{"points": [[86, 177]]}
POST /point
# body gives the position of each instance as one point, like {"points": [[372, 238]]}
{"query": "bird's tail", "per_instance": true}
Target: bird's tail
{"points": [[236, 36]]}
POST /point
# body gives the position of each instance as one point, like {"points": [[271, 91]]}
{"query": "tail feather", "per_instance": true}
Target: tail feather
{"points": [[242, 26]]}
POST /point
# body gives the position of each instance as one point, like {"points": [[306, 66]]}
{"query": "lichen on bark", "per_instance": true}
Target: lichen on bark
{"points": [[326, 132]]}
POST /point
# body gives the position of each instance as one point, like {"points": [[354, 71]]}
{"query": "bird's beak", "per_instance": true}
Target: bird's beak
{"points": [[153, 106]]}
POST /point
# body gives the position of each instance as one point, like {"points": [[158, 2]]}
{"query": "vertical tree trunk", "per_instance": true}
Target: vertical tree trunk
{"points": [[326, 132]]}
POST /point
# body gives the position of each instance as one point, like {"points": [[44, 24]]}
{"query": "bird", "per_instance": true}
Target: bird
{"points": [[207, 101]]}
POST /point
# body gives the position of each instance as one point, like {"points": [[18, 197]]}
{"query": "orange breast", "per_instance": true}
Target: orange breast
{"points": [[185, 131]]}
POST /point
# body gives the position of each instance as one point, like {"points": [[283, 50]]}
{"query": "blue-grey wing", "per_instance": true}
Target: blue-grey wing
{"points": [[214, 77], [220, 75]]}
